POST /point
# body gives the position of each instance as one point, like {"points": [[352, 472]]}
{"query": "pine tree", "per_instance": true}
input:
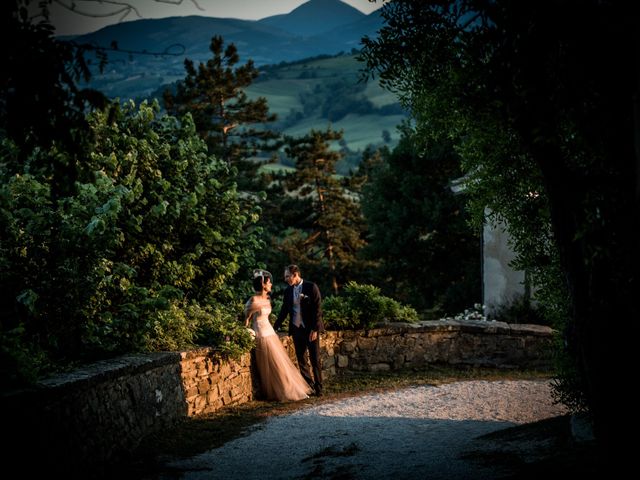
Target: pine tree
{"points": [[224, 116], [328, 227]]}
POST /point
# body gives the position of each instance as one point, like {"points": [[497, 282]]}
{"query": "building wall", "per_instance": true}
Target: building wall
{"points": [[501, 284]]}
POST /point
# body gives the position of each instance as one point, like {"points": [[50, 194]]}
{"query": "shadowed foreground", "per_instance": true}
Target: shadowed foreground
{"points": [[347, 436]]}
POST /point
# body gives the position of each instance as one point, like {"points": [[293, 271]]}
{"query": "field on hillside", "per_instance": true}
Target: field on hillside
{"points": [[323, 92]]}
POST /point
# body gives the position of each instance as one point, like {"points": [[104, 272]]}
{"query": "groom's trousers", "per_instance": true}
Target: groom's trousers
{"points": [[302, 345]]}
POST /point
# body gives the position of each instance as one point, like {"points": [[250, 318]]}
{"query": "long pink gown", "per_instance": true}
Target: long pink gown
{"points": [[280, 378]]}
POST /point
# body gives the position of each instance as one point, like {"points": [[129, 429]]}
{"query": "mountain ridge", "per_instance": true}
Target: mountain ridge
{"points": [[305, 32], [315, 17]]}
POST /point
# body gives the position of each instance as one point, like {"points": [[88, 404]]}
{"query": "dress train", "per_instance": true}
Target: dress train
{"points": [[279, 377]]}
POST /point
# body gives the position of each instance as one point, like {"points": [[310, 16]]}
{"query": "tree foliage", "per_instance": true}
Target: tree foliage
{"points": [[540, 98], [326, 229], [214, 95], [427, 254], [120, 233], [141, 257], [40, 104]]}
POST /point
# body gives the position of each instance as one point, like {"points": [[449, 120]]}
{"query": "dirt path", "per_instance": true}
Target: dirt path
{"points": [[420, 432]]}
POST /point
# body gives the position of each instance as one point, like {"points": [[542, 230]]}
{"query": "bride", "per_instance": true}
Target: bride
{"points": [[279, 377]]}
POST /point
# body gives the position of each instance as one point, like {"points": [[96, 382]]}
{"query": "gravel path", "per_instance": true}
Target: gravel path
{"points": [[419, 432]]}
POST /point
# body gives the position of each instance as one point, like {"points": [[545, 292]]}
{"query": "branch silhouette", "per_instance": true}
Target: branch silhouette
{"points": [[123, 9]]}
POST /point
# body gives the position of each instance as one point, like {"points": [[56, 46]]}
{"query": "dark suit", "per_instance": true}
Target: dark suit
{"points": [[311, 312]]}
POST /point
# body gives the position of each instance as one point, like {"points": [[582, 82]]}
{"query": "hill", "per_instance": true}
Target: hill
{"points": [[316, 93], [151, 52], [315, 18]]}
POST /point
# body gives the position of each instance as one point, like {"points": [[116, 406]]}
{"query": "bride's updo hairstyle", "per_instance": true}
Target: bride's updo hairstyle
{"points": [[260, 278]]}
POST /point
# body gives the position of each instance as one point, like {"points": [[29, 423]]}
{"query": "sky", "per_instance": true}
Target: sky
{"points": [[71, 23]]}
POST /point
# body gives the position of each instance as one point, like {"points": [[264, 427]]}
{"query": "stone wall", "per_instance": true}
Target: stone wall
{"points": [[210, 384], [476, 343], [99, 414]]}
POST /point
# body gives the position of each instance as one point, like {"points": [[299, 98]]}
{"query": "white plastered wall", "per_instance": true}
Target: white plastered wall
{"points": [[501, 283]]}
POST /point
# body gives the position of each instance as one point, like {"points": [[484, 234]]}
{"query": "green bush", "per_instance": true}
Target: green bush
{"points": [[219, 326], [141, 256], [338, 314], [363, 307]]}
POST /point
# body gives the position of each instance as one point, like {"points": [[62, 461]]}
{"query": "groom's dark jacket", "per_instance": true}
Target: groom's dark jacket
{"points": [[310, 308]]}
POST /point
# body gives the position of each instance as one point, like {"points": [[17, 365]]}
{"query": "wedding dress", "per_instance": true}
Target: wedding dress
{"points": [[279, 377]]}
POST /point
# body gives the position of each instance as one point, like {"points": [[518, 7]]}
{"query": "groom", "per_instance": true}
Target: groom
{"points": [[302, 304]]}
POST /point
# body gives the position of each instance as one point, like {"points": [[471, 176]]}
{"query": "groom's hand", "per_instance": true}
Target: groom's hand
{"points": [[313, 336]]}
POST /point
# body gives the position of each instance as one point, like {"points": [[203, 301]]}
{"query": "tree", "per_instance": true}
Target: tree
{"points": [[40, 104], [327, 224], [546, 116], [418, 229], [224, 116], [147, 248]]}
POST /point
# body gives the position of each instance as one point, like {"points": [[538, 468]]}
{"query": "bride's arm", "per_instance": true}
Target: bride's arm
{"points": [[248, 312]]}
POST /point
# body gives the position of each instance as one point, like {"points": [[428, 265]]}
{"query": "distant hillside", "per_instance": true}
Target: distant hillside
{"points": [[309, 74], [315, 28], [320, 92]]}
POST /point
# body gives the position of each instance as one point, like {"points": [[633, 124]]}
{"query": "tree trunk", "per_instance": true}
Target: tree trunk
{"points": [[601, 270]]}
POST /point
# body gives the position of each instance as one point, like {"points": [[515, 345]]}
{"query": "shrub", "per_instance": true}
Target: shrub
{"points": [[363, 307], [140, 256]]}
